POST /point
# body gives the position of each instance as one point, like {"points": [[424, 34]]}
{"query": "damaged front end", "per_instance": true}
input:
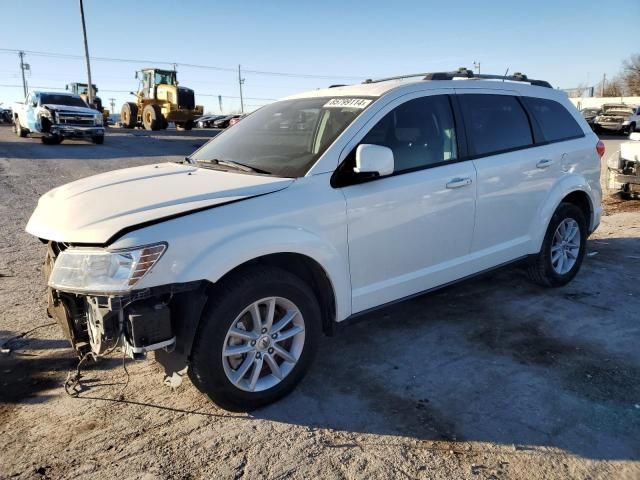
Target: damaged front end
{"points": [[162, 319]]}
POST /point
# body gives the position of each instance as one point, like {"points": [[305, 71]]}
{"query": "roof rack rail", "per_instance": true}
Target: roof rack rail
{"points": [[466, 73]]}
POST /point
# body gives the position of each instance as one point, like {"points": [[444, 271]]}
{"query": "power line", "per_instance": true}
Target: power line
{"points": [[188, 65], [129, 91]]}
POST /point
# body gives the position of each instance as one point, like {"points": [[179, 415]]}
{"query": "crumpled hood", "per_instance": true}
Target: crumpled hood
{"points": [[70, 109], [94, 209]]}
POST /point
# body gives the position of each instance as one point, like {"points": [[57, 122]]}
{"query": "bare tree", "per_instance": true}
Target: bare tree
{"points": [[612, 88], [578, 91], [631, 74]]}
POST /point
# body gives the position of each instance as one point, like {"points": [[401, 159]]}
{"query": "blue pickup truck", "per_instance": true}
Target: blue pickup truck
{"points": [[54, 116]]}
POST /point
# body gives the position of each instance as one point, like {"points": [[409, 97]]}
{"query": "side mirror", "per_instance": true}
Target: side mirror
{"points": [[374, 160], [131, 93], [635, 136]]}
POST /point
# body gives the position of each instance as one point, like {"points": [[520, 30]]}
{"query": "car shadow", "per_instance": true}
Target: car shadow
{"points": [[494, 359]]}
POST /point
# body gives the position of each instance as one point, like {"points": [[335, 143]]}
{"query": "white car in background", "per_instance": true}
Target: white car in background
{"points": [[54, 116], [617, 118], [235, 262]]}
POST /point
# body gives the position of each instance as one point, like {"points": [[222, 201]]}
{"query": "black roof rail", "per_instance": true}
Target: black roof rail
{"points": [[466, 73], [338, 85]]}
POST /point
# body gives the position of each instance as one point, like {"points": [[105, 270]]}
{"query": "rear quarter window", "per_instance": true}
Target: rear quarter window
{"points": [[554, 120]]}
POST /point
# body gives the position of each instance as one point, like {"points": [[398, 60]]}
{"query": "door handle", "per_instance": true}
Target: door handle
{"points": [[458, 182], [544, 163]]}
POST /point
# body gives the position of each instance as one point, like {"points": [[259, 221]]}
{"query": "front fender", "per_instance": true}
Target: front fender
{"points": [[563, 187], [189, 259], [234, 251]]}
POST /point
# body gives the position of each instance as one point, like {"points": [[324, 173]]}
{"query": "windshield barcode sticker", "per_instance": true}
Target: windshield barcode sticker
{"points": [[359, 103]]}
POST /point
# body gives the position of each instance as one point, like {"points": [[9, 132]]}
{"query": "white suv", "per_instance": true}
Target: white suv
{"points": [[311, 211]]}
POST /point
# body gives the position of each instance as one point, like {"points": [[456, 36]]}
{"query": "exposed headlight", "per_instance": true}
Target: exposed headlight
{"points": [[103, 271], [97, 119]]}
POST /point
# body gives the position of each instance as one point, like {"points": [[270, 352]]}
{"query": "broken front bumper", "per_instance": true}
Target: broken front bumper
{"points": [[69, 131], [612, 126], [137, 323]]}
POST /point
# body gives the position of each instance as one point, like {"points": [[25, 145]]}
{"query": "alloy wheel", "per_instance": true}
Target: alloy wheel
{"points": [[565, 246], [263, 344]]}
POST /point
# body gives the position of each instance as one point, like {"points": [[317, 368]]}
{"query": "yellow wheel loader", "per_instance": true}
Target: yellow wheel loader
{"points": [[159, 101], [82, 90]]}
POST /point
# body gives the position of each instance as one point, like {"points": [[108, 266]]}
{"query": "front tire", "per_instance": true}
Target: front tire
{"points": [[563, 248], [53, 140], [256, 339], [152, 117], [98, 139]]}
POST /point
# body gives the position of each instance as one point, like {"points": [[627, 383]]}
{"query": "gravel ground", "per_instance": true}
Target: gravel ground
{"points": [[493, 378]]}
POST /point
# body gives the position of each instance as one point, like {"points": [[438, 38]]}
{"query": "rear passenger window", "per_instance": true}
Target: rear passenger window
{"points": [[420, 132], [555, 121], [495, 123]]}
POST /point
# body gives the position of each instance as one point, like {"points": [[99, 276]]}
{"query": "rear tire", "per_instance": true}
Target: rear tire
{"points": [[229, 312], [188, 125], [19, 131], [152, 117], [129, 115], [561, 254], [632, 128]]}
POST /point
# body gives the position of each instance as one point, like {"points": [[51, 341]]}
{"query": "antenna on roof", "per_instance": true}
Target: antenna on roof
{"points": [[505, 74]]}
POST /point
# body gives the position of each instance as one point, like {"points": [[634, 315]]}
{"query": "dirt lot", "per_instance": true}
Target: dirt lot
{"points": [[493, 378]]}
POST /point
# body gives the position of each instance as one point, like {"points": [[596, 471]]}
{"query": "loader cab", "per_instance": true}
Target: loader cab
{"points": [[82, 89], [150, 78]]}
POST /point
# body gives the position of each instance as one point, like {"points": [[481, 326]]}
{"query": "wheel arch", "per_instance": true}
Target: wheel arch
{"points": [[581, 199], [303, 266], [574, 190]]}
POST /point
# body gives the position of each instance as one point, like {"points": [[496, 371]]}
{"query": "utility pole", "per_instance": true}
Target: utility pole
{"points": [[86, 54], [604, 79], [477, 66], [113, 104], [240, 82], [22, 68]]}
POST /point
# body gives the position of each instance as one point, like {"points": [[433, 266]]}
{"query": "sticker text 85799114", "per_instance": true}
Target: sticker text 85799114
{"points": [[359, 103]]}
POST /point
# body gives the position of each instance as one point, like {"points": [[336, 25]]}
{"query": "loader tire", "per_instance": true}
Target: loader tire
{"points": [[129, 115], [152, 117]]}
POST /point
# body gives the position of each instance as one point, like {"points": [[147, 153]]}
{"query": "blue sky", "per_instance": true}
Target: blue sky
{"points": [[560, 41]]}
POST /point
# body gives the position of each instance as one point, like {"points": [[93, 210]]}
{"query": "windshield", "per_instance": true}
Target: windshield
{"points": [[83, 89], [166, 78], [68, 100], [284, 138]]}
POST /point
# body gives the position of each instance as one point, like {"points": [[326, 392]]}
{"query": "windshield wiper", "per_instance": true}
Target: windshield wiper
{"points": [[234, 165], [186, 160]]}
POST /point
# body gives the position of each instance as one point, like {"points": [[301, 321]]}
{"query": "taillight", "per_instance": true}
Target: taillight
{"points": [[600, 148]]}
